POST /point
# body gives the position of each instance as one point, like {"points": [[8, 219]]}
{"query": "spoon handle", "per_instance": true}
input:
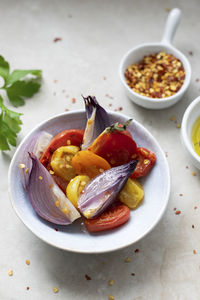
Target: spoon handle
{"points": [[172, 23]]}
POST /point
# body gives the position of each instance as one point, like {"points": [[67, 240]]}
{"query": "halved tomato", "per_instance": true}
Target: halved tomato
{"points": [[112, 218], [146, 161], [115, 144], [65, 138]]}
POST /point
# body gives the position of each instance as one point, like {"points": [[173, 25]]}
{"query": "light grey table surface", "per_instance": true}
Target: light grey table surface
{"points": [[95, 35]]}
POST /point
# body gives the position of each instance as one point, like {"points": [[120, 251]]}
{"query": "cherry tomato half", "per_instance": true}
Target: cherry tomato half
{"points": [[65, 138], [146, 160], [114, 217], [115, 145]]}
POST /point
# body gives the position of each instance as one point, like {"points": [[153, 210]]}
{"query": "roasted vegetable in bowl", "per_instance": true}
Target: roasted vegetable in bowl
{"points": [[86, 173]]}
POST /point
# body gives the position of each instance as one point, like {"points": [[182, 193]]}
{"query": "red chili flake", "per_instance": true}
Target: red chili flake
{"points": [[192, 226], [137, 250], [197, 80], [66, 109], [180, 195], [87, 277], [195, 207], [120, 108], [104, 78], [194, 252], [57, 39], [28, 288], [190, 53], [56, 229], [187, 167], [73, 100], [132, 274], [110, 104], [174, 208], [178, 212]]}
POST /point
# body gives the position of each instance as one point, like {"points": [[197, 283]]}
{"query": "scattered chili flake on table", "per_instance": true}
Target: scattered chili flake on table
{"points": [[55, 289], [56, 229], [158, 75], [190, 53], [27, 261], [73, 100], [192, 226], [178, 212], [172, 118], [66, 109], [104, 78], [195, 207], [187, 167], [28, 288], [127, 260], [137, 250], [10, 272], [87, 277], [132, 274], [194, 252], [57, 39], [111, 282], [174, 208], [180, 195]]}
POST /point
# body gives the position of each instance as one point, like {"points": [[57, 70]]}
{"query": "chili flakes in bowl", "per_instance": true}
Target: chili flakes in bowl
{"points": [[158, 75]]}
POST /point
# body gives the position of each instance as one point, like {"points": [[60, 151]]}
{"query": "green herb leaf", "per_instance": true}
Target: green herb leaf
{"points": [[19, 74], [4, 69], [10, 125], [20, 90]]}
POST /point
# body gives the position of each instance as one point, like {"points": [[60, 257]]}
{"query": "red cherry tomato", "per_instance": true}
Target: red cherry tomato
{"points": [[114, 217], [146, 160], [115, 145], [65, 138]]}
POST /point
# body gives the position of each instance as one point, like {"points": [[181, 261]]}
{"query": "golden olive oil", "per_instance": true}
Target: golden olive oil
{"points": [[196, 136]]}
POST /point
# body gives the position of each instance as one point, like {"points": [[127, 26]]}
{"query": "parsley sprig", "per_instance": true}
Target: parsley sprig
{"points": [[18, 85]]}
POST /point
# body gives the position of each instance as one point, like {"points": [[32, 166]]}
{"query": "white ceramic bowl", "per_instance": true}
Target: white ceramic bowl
{"points": [[136, 54], [189, 118], [73, 237]]}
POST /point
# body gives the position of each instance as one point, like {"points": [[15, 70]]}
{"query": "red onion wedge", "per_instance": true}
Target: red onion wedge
{"points": [[97, 121], [36, 145], [102, 191], [49, 202]]}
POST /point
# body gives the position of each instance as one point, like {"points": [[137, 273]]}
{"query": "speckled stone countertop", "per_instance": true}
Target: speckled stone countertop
{"points": [[94, 36]]}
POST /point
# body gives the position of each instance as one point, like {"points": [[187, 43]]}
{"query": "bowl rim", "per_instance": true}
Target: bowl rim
{"points": [[157, 101], [186, 139], [39, 235]]}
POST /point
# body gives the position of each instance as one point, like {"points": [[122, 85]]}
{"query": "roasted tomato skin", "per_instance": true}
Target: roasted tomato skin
{"points": [[146, 161], [64, 138], [115, 145], [112, 218]]}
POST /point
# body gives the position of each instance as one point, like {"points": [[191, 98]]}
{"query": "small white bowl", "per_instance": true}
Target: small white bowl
{"points": [[137, 54], [74, 237], [189, 118]]}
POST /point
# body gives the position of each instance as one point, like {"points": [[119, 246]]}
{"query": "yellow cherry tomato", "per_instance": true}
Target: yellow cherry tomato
{"points": [[132, 194], [75, 188], [86, 162], [61, 162]]}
